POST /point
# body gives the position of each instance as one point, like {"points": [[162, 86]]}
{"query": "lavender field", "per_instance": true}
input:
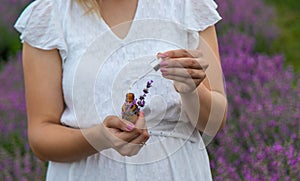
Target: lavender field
{"points": [[261, 140]]}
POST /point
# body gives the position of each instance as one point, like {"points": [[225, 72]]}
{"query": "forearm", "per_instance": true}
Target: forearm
{"points": [[206, 109], [212, 114], [54, 142]]}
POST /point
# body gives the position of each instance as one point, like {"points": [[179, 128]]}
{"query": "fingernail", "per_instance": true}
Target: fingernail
{"points": [[164, 73], [163, 63], [141, 113], [130, 127], [163, 55], [163, 69]]}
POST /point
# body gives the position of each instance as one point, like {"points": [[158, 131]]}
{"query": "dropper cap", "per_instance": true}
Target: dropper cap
{"points": [[155, 64]]}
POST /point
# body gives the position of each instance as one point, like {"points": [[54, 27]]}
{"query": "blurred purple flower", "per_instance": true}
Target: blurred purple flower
{"points": [[17, 160]]}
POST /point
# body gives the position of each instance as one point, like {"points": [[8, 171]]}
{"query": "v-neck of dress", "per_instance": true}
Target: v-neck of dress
{"points": [[130, 28]]}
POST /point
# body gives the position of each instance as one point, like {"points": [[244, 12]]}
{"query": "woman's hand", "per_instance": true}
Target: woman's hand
{"points": [[185, 68], [124, 136]]}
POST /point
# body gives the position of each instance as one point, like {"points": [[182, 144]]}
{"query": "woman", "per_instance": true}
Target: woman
{"points": [[81, 57]]}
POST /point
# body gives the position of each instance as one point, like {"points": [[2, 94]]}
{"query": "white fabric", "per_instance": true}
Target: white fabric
{"points": [[99, 68]]}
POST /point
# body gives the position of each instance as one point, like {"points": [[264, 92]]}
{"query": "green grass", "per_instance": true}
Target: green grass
{"points": [[288, 41]]}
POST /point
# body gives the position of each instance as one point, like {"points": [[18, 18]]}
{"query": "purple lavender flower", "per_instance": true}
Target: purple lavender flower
{"points": [[141, 101], [149, 84], [16, 158], [146, 91]]}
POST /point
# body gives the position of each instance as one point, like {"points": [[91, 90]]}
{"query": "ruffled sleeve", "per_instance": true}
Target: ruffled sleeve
{"points": [[200, 14], [40, 26]]}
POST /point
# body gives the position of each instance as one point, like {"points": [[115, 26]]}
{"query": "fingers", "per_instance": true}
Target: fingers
{"points": [[128, 136], [183, 58], [184, 73], [123, 132], [134, 146], [117, 123], [181, 53], [142, 138], [141, 123], [193, 63], [185, 67], [191, 82], [139, 129]]}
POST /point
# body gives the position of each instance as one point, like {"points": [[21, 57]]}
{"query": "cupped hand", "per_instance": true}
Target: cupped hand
{"points": [[124, 136], [185, 67]]}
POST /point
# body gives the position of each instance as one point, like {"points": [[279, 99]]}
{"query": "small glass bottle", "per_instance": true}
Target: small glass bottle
{"points": [[130, 109]]}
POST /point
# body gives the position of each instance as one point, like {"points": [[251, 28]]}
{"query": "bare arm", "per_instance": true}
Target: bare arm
{"points": [[197, 76], [212, 88], [48, 138]]}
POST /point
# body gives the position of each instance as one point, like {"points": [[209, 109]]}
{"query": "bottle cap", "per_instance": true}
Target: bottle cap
{"points": [[129, 97]]}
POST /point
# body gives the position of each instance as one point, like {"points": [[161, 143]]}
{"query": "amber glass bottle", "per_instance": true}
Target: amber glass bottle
{"points": [[130, 109]]}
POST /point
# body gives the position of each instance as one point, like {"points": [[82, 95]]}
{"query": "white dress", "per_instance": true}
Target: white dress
{"points": [[99, 68]]}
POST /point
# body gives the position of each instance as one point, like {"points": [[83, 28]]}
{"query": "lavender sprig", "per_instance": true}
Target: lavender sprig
{"points": [[141, 101]]}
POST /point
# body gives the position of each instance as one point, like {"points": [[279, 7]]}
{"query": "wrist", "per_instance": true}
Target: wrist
{"points": [[190, 92], [96, 137]]}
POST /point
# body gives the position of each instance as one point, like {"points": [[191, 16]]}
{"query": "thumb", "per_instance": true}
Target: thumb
{"points": [[117, 123], [126, 125]]}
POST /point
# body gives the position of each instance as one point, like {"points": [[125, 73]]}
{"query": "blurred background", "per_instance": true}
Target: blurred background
{"points": [[259, 46]]}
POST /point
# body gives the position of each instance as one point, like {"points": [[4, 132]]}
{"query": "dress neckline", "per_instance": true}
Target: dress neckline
{"points": [[130, 28]]}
